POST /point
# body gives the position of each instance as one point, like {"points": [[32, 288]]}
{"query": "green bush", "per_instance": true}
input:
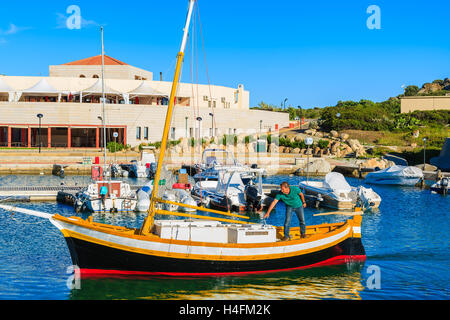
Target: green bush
{"points": [[114, 146], [323, 144]]}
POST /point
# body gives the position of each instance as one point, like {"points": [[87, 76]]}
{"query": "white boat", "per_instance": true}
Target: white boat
{"points": [[215, 160], [229, 193], [334, 190], [369, 199], [396, 175], [120, 198], [143, 167], [441, 186]]}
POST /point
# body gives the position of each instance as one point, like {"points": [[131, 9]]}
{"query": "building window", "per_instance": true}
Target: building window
{"points": [[172, 134], [146, 133], [191, 132], [138, 133], [82, 76], [95, 76]]}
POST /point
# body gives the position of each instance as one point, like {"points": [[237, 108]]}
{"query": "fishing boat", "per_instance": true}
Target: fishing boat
{"points": [[211, 246], [120, 198], [396, 175], [336, 193]]}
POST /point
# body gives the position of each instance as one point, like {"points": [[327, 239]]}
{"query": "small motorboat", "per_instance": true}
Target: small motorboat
{"points": [[144, 167], [119, 198], [230, 194], [215, 160], [334, 190], [441, 186], [368, 198], [396, 175]]}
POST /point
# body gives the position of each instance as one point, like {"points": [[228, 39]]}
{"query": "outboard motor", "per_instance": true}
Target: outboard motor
{"points": [[152, 170], [444, 185], [253, 198]]}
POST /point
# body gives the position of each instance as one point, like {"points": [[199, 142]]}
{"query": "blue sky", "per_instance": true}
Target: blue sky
{"points": [[313, 53]]}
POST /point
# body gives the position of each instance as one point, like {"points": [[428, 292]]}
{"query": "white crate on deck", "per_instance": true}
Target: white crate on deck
{"points": [[199, 231], [251, 234]]}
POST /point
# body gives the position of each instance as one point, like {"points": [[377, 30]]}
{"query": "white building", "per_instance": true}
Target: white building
{"points": [[136, 105]]}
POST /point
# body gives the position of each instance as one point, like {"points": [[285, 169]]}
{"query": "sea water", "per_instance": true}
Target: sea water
{"points": [[406, 242]]}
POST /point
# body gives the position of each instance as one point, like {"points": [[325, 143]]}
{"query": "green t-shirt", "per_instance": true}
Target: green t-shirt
{"points": [[292, 199]]}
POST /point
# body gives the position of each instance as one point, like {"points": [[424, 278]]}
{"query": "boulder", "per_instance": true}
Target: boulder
{"points": [[319, 166], [310, 132], [334, 134], [354, 144], [373, 163], [296, 150], [344, 136]]}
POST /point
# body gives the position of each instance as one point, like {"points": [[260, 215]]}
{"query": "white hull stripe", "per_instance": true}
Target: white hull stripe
{"points": [[200, 250]]}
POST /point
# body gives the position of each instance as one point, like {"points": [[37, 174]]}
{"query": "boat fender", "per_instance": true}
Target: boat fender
{"points": [[181, 186]]}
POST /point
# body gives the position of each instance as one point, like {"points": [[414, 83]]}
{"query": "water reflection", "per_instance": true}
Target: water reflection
{"points": [[337, 282]]}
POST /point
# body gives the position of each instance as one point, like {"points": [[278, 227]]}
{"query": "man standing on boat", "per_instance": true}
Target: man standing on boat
{"points": [[294, 200]]}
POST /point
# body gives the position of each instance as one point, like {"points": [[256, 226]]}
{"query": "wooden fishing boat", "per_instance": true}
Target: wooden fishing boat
{"points": [[103, 249], [209, 246]]}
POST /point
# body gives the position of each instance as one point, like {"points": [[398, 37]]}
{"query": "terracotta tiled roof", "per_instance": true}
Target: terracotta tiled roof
{"points": [[96, 61]]}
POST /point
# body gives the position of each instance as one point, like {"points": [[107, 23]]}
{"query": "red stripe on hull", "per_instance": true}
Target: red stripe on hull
{"points": [[338, 260]]}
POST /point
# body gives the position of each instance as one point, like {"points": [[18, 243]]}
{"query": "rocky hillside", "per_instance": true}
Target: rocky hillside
{"points": [[437, 87]]}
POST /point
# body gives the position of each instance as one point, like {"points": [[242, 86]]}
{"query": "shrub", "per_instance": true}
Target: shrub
{"points": [[114, 146], [323, 144]]}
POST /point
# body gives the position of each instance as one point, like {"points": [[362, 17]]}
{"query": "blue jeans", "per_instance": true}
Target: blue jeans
{"points": [[300, 216]]}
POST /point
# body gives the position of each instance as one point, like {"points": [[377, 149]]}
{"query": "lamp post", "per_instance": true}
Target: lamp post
{"points": [[101, 119], [260, 126], [308, 142], [284, 103], [199, 119], [212, 124], [40, 116], [186, 118]]}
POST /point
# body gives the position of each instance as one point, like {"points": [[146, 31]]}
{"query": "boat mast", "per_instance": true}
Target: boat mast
{"points": [[148, 223], [103, 102]]}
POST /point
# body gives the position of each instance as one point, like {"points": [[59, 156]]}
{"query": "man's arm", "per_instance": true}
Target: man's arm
{"points": [[303, 199], [272, 205]]}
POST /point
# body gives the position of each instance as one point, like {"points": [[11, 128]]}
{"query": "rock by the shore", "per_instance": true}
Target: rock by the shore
{"points": [[319, 167]]}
